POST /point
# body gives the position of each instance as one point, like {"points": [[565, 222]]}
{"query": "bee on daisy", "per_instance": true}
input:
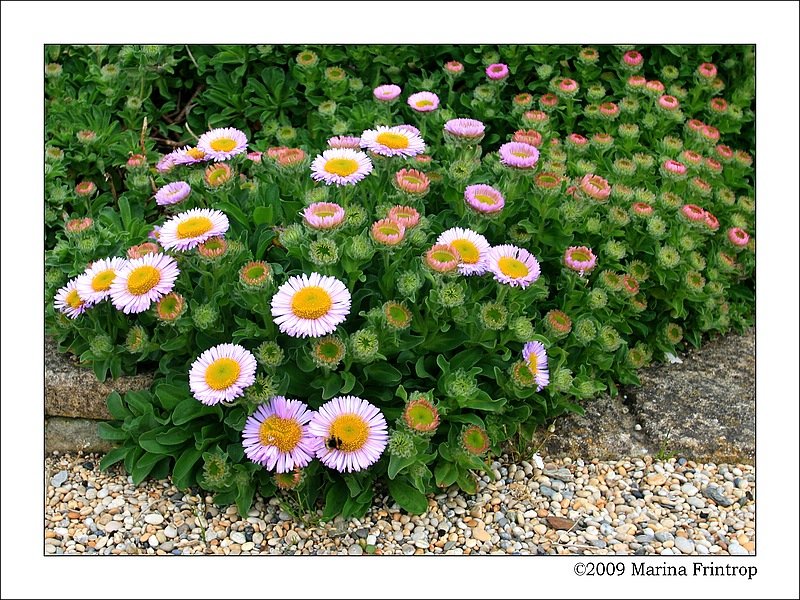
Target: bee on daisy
{"points": [[353, 433]]}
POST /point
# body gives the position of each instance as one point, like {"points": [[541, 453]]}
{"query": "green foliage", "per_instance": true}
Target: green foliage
{"points": [[661, 279]]}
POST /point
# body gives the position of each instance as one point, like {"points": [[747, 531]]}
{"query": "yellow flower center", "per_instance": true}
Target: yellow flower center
{"points": [[351, 430], [511, 267], [311, 302], [486, 199], [467, 250], [222, 373], [223, 144], [196, 153], [194, 227], [341, 166], [391, 140], [424, 103], [103, 280], [412, 180], [325, 212], [143, 279], [520, 153], [284, 434], [73, 299]]}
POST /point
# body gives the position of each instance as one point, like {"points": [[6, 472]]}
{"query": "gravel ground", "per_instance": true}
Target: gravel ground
{"points": [[628, 507]]}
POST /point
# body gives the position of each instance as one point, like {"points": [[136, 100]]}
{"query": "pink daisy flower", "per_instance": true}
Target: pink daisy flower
{"points": [[519, 155], [580, 259], [341, 166], [472, 248], [222, 143], [353, 433], [423, 101], [406, 216], [454, 67], [693, 213], [535, 357], [143, 281], [188, 155], [221, 373], [412, 181], [310, 305], [513, 266], [323, 215], [186, 230], [738, 236], [632, 58], [95, 283], [497, 71], [393, 141], [345, 141], [173, 193], [595, 187], [386, 93], [465, 129], [277, 436], [388, 232], [484, 199], [528, 136], [442, 258], [69, 301]]}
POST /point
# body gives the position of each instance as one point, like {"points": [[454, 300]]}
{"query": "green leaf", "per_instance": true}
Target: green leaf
{"points": [[420, 370], [139, 402], [109, 432], [148, 442], [190, 409], [383, 373], [125, 212], [467, 482], [235, 452], [170, 395], [397, 464], [235, 419], [100, 367], [144, 465], [446, 473], [353, 483], [244, 497], [262, 215], [116, 407], [113, 457], [409, 498], [470, 418], [349, 382], [235, 212], [184, 466], [178, 343], [482, 401], [174, 436], [334, 500]]}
